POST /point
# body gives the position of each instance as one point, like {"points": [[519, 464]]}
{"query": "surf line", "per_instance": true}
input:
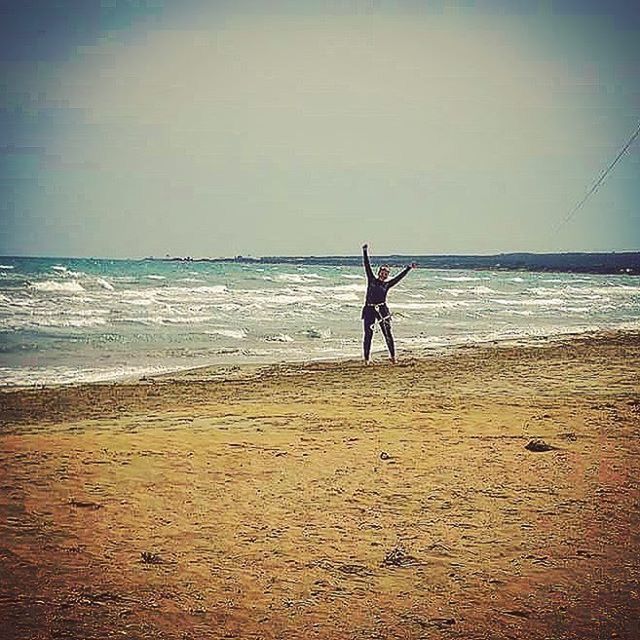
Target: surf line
{"points": [[598, 182]]}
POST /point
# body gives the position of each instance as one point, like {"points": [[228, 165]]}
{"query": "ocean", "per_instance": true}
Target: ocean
{"points": [[79, 320]]}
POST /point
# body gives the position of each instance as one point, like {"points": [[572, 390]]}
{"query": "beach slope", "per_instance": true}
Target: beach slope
{"points": [[331, 500]]}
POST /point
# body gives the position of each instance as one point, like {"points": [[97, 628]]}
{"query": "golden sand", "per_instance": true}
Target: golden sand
{"points": [[330, 500]]}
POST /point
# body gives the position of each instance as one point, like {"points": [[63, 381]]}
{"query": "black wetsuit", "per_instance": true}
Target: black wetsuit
{"points": [[375, 307]]}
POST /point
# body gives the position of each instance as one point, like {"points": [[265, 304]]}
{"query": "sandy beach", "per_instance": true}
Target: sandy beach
{"points": [[331, 500]]}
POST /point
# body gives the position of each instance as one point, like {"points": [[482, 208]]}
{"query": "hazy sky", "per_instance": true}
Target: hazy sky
{"points": [[199, 128]]}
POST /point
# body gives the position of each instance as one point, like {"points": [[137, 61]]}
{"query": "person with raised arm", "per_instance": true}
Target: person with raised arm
{"points": [[375, 307]]}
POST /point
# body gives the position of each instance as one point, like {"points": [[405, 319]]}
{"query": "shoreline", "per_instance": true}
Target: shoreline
{"points": [[379, 355], [331, 500]]}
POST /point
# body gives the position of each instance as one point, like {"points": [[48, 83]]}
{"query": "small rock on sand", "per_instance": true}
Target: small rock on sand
{"points": [[398, 557], [538, 445], [147, 557], [442, 623]]}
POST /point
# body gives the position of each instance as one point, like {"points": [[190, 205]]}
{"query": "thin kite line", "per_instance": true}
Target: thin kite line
{"points": [[598, 182]]}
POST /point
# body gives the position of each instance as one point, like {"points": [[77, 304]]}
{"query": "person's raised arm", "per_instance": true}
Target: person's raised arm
{"points": [[402, 274], [367, 264]]}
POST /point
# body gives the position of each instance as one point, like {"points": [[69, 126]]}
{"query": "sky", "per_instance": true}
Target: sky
{"points": [[219, 128]]}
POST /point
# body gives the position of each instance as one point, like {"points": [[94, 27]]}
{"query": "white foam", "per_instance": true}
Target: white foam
{"points": [[349, 287], [139, 301], [60, 375], [629, 325], [508, 334], [66, 271], [621, 289], [518, 312], [534, 303], [171, 295], [278, 337], [481, 289], [426, 341], [458, 278], [544, 291], [54, 286], [6, 266], [105, 284], [218, 288], [290, 277], [430, 305], [453, 292], [238, 334], [299, 278], [168, 319], [284, 299], [154, 277], [73, 323], [48, 321], [188, 292]]}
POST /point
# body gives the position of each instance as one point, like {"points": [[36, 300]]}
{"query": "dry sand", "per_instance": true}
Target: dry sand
{"points": [[330, 500]]}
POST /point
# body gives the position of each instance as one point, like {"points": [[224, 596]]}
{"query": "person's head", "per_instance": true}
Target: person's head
{"points": [[383, 272]]}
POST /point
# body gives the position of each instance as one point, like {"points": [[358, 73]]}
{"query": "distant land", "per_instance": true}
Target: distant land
{"points": [[625, 262]]}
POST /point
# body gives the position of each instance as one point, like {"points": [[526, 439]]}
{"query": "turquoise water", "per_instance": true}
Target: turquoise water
{"points": [[76, 320]]}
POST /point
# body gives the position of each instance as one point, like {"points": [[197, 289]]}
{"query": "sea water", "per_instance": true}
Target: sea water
{"points": [[73, 320]]}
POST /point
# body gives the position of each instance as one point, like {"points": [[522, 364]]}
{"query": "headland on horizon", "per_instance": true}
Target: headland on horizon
{"points": [[627, 262]]}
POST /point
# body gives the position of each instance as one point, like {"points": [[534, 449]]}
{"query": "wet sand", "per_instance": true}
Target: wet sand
{"points": [[331, 500]]}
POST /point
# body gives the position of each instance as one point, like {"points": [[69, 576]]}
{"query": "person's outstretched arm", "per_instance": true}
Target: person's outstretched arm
{"points": [[367, 264], [402, 274]]}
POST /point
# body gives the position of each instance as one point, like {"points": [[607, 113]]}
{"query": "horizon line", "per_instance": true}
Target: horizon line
{"points": [[250, 257]]}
